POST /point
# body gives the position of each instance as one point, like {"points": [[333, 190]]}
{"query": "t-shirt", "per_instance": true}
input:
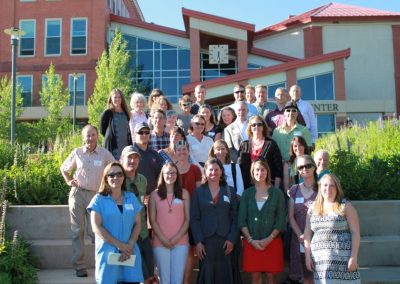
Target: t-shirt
{"points": [[190, 178]]}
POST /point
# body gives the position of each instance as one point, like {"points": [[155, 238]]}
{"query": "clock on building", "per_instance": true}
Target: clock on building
{"points": [[218, 54]]}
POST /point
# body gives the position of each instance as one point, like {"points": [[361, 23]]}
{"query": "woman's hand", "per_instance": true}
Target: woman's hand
{"points": [[301, 238], [201, 251], [257, 244], [166, 242], [125, 248], [352, 264], [228, 247], [309, 263]]}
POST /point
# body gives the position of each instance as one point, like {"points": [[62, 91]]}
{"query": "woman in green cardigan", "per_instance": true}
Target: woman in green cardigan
{"points": [[262, 219]]}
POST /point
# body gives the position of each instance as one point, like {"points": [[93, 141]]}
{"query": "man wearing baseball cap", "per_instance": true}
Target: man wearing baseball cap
{"points": [[137, 183]]}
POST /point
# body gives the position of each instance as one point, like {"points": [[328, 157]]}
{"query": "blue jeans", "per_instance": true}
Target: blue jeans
{"points": [[171, 263]]}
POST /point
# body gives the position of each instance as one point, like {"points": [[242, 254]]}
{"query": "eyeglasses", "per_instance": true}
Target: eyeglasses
{"points": [[239, 92], [199, 123], [117, 174], [259, 124], [186, 104], [306, 166], [170, 173], [143, 132], [291, 110]]}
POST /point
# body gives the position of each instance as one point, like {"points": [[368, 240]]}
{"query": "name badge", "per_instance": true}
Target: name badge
{"points": [[97, 163], [177, 201], [226, 199], [128, 206], [299, 200], [142, 198], [297, 133], [302, 248]]}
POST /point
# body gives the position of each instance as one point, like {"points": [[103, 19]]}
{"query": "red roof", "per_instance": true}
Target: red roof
{"points": [[331, 11]]}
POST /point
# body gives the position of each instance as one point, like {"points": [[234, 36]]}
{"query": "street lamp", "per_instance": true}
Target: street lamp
{"points": [[15, 34], [75, 76]]}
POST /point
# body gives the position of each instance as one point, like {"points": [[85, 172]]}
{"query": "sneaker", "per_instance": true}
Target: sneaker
{"points": [[81, 273]]}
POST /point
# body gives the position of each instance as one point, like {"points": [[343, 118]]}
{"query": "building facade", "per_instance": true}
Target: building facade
{"points": [[343, 71]]}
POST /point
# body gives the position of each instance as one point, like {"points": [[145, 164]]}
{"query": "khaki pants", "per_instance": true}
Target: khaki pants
{"points": [[78, 200]]}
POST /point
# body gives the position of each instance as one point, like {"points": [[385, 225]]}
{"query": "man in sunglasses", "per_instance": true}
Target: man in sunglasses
{"points": [[284, 134], [240, 96], [307, 111], [150, 162], [235, 133], [137, 183], [83, 171]]}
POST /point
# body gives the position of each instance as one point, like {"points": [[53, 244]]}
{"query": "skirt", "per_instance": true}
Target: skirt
{"points": [[269, 260]]}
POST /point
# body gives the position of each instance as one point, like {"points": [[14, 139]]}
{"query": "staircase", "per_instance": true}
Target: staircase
{"points": [[47, 228]]}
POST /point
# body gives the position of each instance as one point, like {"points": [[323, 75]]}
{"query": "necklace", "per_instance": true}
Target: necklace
{"points": [[170, 203]]}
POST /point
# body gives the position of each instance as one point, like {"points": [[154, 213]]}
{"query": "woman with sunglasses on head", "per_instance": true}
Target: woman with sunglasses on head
{"points": [[332, 235], [114, 124], [213, 220], [185, 116], [226, 116], [155, 93], [115, 219], [207, 112], [169, 218], [301, 197], [199, 143], [261, 220], [260, 147]]}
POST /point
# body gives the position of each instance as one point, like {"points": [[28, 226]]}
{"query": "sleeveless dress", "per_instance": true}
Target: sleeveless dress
{"points": [[331, 249]]}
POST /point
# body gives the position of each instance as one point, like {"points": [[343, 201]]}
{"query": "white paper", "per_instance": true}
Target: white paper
{"points": [[113, 258]]}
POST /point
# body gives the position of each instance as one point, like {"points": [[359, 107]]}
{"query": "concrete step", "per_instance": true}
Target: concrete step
{"points": [[54, 254], [379, 217], [380, 275], [50, 222], [64, 276], [379, 250]]}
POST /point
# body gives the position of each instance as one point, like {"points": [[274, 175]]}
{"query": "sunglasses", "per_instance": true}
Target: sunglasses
{"points": [[290, 110], [117, 174], [239, 92], [170, 173], [199, 123], [186, 104], [259, 124], [306, 166], [143, 132]]}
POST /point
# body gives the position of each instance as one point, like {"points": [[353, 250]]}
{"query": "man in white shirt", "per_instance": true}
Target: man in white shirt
{"points": [[307, 111], [239, 94], [236, 133], [200, 95]]}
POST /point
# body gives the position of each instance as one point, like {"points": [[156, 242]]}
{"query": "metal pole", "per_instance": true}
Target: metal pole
{"points": [[14, 44], [74, 104]]}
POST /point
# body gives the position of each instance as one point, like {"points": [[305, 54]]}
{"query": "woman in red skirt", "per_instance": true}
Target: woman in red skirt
{"points": [[261, 219]]}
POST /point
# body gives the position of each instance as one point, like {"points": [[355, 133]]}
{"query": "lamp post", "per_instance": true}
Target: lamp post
{"points": [[75, 76], [15, 34]]}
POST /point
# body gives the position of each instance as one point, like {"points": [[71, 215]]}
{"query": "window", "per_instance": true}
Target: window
{"points": [[53, 37], [25, 82], [78, 36], [272, 88], [80, 89], [318, 87], [211, 71], [27, 42], [326, 123]]}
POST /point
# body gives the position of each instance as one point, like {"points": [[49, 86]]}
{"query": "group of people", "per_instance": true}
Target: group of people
{"points": [[168, 186]]}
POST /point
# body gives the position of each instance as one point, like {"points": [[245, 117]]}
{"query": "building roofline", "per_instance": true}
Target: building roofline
{"points": [[148, 26], [271, 54], [137, 9], [269, 70]]}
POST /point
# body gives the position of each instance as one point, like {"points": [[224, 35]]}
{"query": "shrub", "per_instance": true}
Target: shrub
{"points": [[366, 159]]}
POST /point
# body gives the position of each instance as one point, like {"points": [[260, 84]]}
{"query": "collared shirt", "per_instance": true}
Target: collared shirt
{"points": [[140, 182], [199, 149], [307, 111], [283, 137], [276, 118], [243, 126], [89, 166], [159, 142], [252, 109], [264, 109]]}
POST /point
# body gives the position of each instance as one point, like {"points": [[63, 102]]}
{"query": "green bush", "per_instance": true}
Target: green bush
{"points": [[366, 159]]}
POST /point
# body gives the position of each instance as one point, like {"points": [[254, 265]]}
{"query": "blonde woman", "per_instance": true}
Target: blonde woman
{"points": [[332, 235]]}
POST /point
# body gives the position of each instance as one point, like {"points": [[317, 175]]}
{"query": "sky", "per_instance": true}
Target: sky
{"points": [[261, 13]]}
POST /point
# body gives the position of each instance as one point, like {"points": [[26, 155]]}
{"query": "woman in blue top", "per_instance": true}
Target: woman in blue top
{"points": [[115, 218]]}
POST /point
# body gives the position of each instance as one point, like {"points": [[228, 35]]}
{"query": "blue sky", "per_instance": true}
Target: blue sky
{"points": [[262, 13]]}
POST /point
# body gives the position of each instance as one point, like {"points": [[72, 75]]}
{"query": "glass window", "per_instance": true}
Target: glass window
{"points": [[145, 44], [25, 82], [80, 89], [169, 59], [252, 66], [184, 59], [145, 59], [326, 123], [324, 84], [272, 88], [27, 42], [53, 37], [78, 36], [307, 88]]}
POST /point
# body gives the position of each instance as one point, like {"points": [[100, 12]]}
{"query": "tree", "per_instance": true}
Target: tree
{"points": [[54, 98], [5, 106], [113, 71]]}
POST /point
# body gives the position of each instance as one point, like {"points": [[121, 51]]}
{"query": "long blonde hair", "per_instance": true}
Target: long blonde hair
{"points": [[318, 205]]}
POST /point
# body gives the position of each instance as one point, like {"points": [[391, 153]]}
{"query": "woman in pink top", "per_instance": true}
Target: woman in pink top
{"points": [[169, 218]]}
